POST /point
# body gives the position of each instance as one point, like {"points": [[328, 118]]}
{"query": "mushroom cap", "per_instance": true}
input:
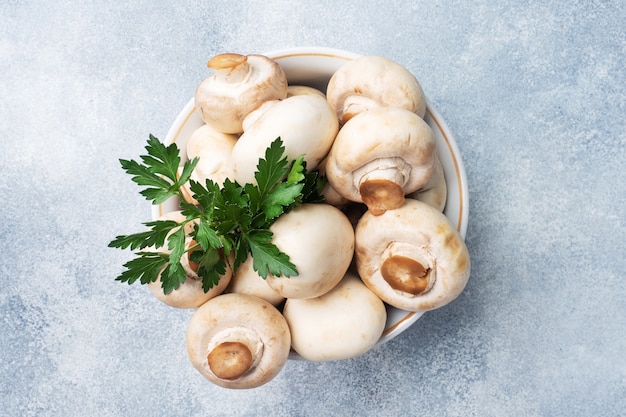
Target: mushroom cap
{"points": [[207, 137], [384, 141], [213, 149], [319, 240], [372, 81], [331, 196], [238, 319], [412, 257], [299, 90], [190, 293], [344, 323], [435, 192], [305, 123], [239, 85], [247, 281]]}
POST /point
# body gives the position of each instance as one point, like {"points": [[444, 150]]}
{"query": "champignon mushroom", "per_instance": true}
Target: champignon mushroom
{"points": [[412, 257], [305, 123], [319, 240], [239, 85], [299, 90], [238, 341], [435, 192], [380, 155], [331, 196], [213, 150], [190, 293], [344, 323], [205, 137], [370, 82], [246, 280]]}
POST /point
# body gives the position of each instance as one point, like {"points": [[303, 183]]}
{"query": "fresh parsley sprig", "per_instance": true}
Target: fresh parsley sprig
{"points": [[229, 223], [159, 171]]}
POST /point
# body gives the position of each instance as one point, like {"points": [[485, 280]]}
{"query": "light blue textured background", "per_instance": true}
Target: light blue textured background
{"points": [[535, 93]]}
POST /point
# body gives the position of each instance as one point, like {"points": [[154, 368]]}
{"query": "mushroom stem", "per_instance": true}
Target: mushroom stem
{"points": [[381, 184], [408, 268], [230, 68], [233, 352]]}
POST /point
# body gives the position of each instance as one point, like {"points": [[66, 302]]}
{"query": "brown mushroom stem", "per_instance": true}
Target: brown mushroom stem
{"points": [[381, 184], [230, 68], [234, 352], [407, 268]]}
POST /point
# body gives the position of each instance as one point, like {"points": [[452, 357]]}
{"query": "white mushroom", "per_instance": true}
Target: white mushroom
{"points": [[239, 85], [331, 196], [412, 257], [344, 323], [247, 281], [299, 90], [305, 123], [319, 240], [380, 155], [190, 293], [435, 192], [205, 137], [213, 150], [369, 82], [238, 341]]}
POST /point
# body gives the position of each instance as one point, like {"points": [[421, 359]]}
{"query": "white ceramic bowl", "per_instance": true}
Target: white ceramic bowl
{"points": [[314, 66]]}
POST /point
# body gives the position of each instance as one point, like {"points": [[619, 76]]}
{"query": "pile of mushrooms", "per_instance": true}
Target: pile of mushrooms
{"points": [[379, 239]]}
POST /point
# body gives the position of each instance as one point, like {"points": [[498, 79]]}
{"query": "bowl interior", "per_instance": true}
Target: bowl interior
{"points": [[314, 67]]}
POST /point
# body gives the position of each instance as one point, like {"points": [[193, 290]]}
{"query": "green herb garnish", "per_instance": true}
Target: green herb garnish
{"points": [[228, 219]]}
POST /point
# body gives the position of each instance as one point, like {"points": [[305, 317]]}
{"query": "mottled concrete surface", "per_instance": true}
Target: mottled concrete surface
{"points": [[535, 93]]}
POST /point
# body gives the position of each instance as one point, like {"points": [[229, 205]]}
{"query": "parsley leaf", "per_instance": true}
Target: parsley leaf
{"points": [[145, 267], [173, 275], [154, 236], [282, 195], [230, 222], [159, 171], [272, 169], [207, 237], [266, 257], [176, 243], [297, 171], [211, 266]]}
